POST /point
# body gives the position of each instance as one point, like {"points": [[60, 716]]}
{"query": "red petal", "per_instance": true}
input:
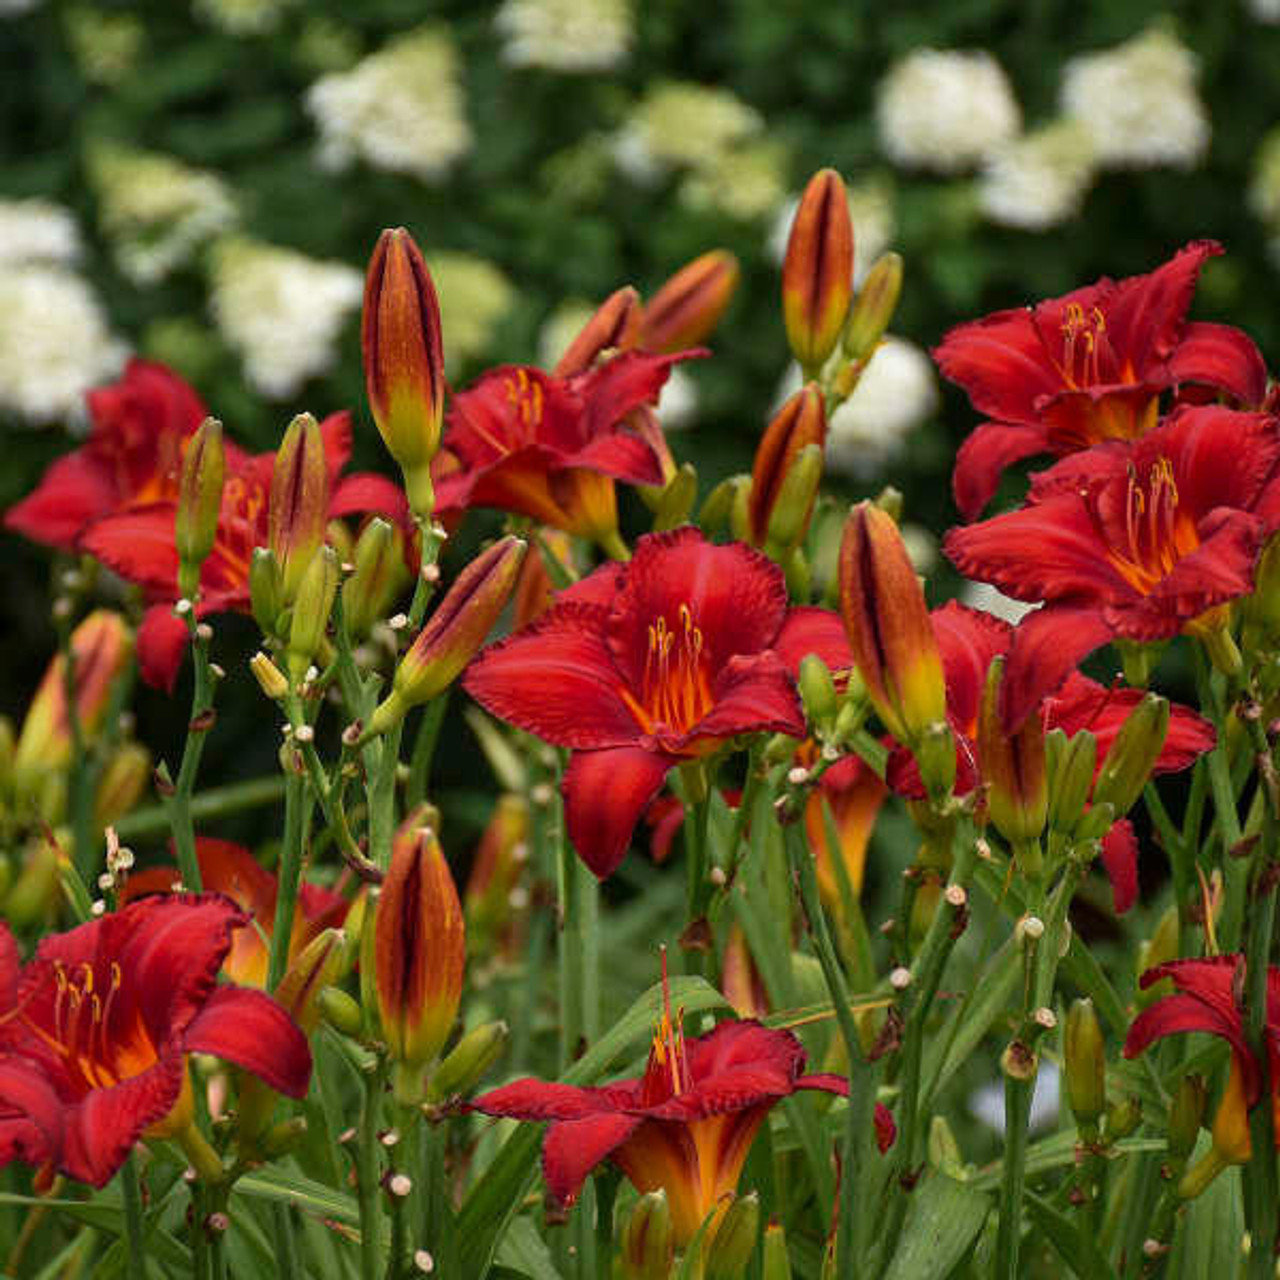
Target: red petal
{"points": [[1047, 645], [1223, 357], [746, 1043], [572, 1148], [556, 678], [73, 491], [31, 1114], [634, 378], [1120, 858], [825, 1083], [807, 630], [335, 431], [625, 457], [162, 640], [752, 694], [138, 545], [968, 639], [149, 401], [605, 792], [985, 454], [250, 1029], [366, 492], [531, 1099]]}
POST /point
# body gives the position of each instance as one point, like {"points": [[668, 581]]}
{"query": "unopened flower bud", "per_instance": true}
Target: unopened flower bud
{"points": [[718, 505], [676, 499], [648, 1239], [1186, 1111], [1128, 764], [34, 894], [283, 1138], [122, 783], [311, 611], [800, 422], [735, 1239], [1013, 767], [199, 502], [454, 632], [266, 590], [887, 622], [614, 326], [404, 361], [943, 1150], [818, 692], [419, 952], [340, 1011], [817, 273], [687, 308], [496, 870], [314, 969], [1071, 779], [777, 1262], [298, 508], [271, 680], [1084, 1051], [465, 1065], [378, 579], [1123, 1117], [873, 308], [1159, 949]]}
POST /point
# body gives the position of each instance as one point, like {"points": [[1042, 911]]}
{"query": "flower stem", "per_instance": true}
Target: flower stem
{"points": [[133, 1226], [217, 802], [367, 1175], [287, 878], [424, 749]]}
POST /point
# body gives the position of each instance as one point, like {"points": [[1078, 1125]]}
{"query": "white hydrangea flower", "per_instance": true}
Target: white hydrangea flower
{"points": [[281, 311], [682, 125], [565, 35], [1264, 186], [989, 599], [896, 393], [37, 231], [474, 295], [55, 343], [1139, 102], [400, 109], [945, 109], [11, 8], [560, 328], [156, 210], [678, 400], [1040, 179], [242, 17], [1267, 11], [744, 182], [870, 207], [106, 45]]}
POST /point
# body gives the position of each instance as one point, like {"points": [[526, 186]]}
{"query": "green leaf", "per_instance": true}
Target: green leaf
{"points": [[292, 1188], [942, 1224], [524, 1250], [1078, 1250], [496, 1197]]}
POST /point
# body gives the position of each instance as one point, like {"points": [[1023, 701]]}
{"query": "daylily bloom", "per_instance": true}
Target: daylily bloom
{"points": [[1088, 367], [107, 1013], [138, 543], [642, 666], [133, 456], [1130, 541], [685, 1126], [522, 440], [853, 794], [1205, 1000], [230, 869]]}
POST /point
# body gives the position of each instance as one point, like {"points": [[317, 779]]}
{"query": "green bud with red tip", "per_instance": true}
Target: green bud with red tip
{"points": [[1127, 765], [199, 503], [648, 1239], [614, 326], [873, 308], [379, 578], [1013, 767], [1085, 1066], [298, 509], [734, 1241], [311, 611], [454, 632], [777, 1262], [687, 308], [801, 422], [404, 361], [817, 273]]}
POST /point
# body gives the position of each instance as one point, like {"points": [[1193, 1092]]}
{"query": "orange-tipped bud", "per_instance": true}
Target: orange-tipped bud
{"points": [[817, 273], [199, 502], [801, 421], [740, 980], [648, 1249], [498, 864], [101, 647], [1013, 767], [298, 509], [687, 308], [614, 327], [454, 632], [419, 950], [888, 626], [404, 361], [380, 576], [123, 781], [317, 966], [873, 308]]}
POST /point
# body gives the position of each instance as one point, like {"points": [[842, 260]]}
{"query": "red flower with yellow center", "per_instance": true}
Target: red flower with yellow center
{"points": [[641, 666], [685, 1126], [522, 440], [1088, 367], [1128, 541], [103, 1018]]}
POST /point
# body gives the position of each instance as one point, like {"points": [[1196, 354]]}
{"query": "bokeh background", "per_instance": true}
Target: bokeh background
{"points": [[201, 181]]}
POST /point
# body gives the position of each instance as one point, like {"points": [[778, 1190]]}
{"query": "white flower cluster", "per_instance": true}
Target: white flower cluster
{"points": [[945, 110], [106, 45], [474, 296], [565, 35], [711, 136], [281, 311], [37, 231], [400, 109], [11, 8], [55, 343], [1267, 11], [1040, 179], [156, 210], [1139, 102], [872, 213], [242, 17]]}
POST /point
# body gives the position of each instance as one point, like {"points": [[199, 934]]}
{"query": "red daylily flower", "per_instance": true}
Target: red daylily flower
{"points": [[1132, 541], [685, 1126], [133, 456], [94, 1032], [968, 641], [231, 870], [525, 441], [641, 666], [138, 543], [1206, 1000], [1088, 367]]}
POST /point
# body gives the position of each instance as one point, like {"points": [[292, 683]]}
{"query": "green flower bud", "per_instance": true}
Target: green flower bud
{"points": [[1186, 1112], [311, 611], [648, 1239], [1128, 764], [465, 1065], [818, 692], [735, 1239], [122, 783], [380, 576], [1086, 1067], [199, 503], [777, 1264], [266, 590], [271, 680], [675, 500], [719, 503], [1070, 779], [1013, 767], [873, 308], [340, 1011]]}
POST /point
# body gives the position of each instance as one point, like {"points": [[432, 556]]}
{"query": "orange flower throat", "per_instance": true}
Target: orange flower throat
{"points": [[1157, 533], [1088, 358], [675, 691]]}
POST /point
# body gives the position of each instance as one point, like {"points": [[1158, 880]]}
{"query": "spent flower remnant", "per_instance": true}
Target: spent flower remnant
{"points": [[1139, 103], [281, 310], [946, 110], [400, 109], [565, 35]]}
